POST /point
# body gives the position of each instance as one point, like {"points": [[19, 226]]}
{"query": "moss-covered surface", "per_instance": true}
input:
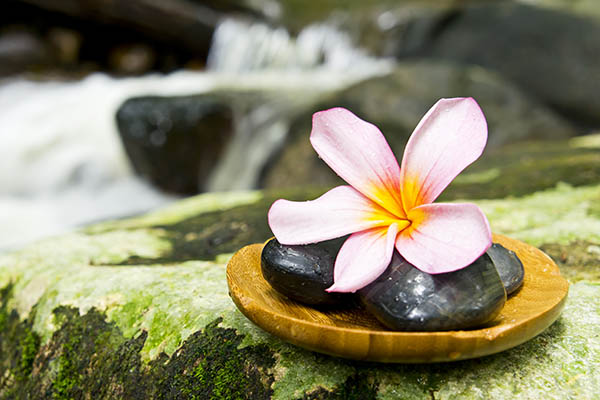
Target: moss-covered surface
{"points": [[138, 308], [524, 168], [512, 170], [88, 357], [578, 260]]}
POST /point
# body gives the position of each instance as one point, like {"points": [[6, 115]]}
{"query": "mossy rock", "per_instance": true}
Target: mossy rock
{"points": [[513, 170], [139, 308], [395, 102]]}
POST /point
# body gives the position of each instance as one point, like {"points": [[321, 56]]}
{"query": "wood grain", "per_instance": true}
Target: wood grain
{"points": [[354, 334]]}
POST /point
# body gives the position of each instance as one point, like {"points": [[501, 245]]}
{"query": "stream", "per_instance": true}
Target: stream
{"points": [[62, 164]]}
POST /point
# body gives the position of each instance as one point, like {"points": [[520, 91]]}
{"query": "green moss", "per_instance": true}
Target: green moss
{"points": [[302, 371], [19, 345], [29, 344], [559, 215], [207, 235], [579, 260], [356, 387], [74, 348], [88, 357], [210, 365], [208, 202], [524, 168], [513, 170], [67, 376]]}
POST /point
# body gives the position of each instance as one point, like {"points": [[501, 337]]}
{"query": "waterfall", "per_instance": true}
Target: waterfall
{"points": [[61, 160], [320, 59], [242, 46]]}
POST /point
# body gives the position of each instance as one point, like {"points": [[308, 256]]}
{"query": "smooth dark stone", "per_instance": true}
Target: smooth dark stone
{"points": [[175, 142], [302, 273], [405, 298], [509, 267]]}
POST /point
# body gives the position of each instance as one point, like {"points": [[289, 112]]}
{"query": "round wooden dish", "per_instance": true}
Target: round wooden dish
{"points": [[357, 335]]}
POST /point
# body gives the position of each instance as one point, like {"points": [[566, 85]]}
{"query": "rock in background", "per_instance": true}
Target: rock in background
{"points": [[175, 142], [552, 55], [397, 101], [127, 38]]}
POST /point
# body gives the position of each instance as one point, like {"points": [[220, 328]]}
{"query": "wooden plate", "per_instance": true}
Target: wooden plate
{"points": [[357, 335]]}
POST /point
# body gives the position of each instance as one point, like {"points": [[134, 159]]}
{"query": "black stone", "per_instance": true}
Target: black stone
{"points": [[302, 273], [405, 298], [175, 142], [509, 267]]}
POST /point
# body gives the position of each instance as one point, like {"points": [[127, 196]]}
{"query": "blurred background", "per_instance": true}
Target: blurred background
{"points": [[112, 108]]}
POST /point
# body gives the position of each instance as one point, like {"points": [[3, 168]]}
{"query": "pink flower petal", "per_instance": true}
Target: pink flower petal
{"points": [[450, 136], [357, 151], [362, 258], [339, 212], [444, 237]]}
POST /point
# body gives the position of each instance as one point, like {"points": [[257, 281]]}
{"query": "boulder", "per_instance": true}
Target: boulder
{"points": [[552, 55], [139, 308], [397, 101], [175, 142]]}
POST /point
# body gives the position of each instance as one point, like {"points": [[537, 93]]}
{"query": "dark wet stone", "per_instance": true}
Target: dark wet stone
{"points": [[405, 298], [175, 142], [509, 267], [302, 273], [551, 41]]}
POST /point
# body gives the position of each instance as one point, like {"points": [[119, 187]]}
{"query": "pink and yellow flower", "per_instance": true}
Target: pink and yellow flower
{"points": [[385, 206]]}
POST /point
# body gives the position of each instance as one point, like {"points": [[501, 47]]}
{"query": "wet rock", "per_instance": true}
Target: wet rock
{"points": [[509, 267], [552, 55], [175, 142], [302, 273], [405, 298], [407, 93], [397, 101]]}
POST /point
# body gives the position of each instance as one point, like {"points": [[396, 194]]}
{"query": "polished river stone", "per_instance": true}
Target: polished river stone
{"points": [[405, 298], [509, 267], [302, 273]]}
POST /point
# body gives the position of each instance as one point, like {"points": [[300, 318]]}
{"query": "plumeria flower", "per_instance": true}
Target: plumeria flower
{"points": [[385, 206]]}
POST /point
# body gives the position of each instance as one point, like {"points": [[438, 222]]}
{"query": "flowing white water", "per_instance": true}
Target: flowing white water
{"points": [[61, 160], [241, 48]]}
